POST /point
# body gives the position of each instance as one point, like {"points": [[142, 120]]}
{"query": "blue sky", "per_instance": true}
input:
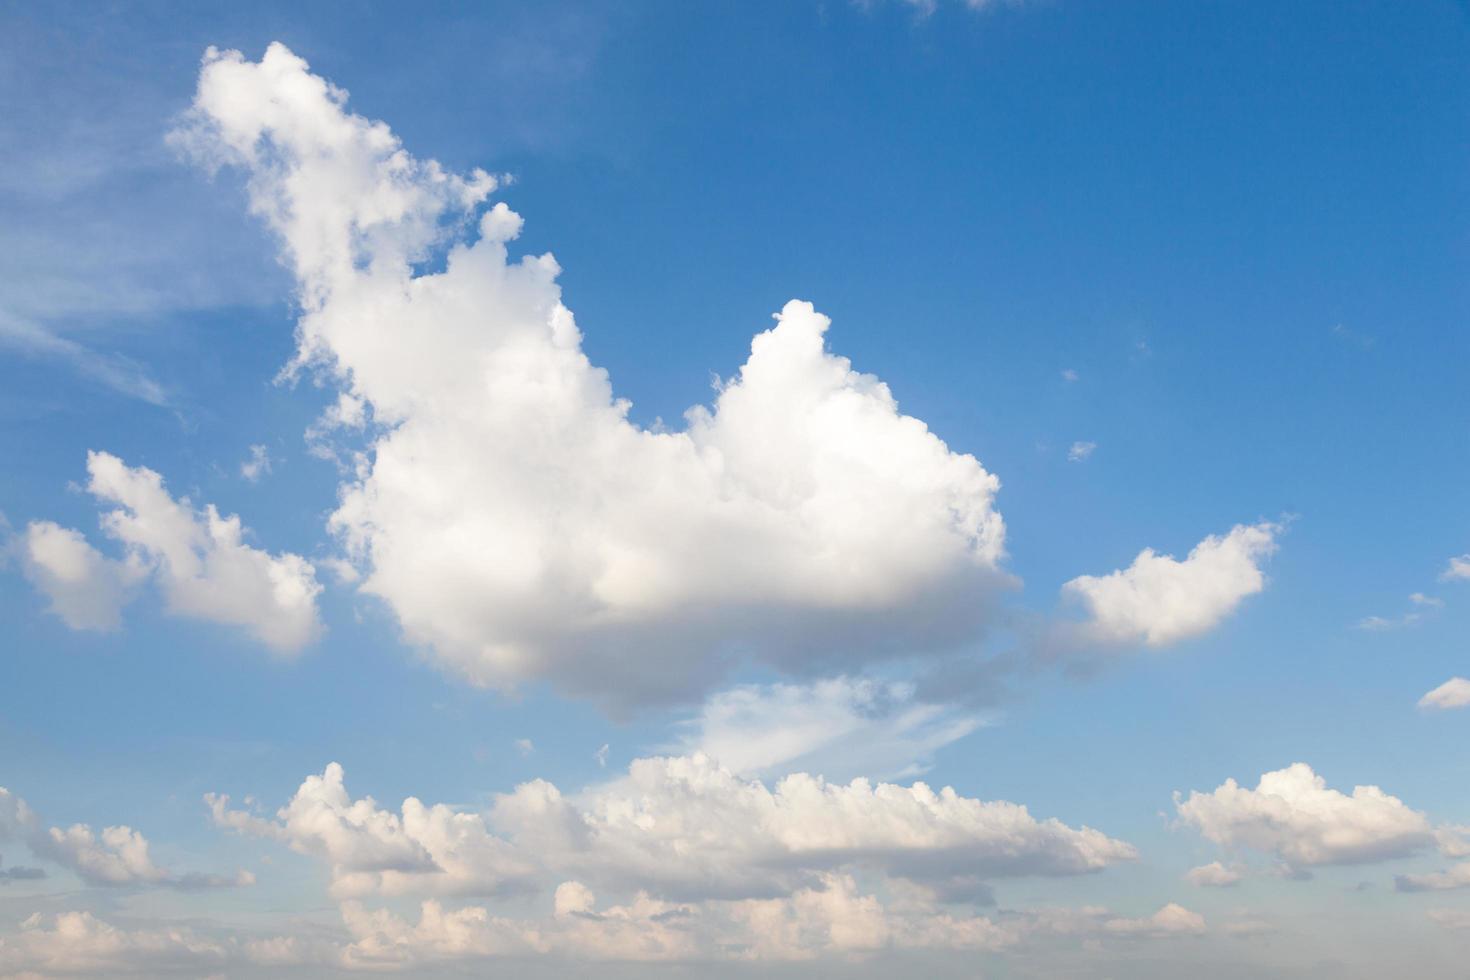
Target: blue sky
{"points": [[1168, 271]]}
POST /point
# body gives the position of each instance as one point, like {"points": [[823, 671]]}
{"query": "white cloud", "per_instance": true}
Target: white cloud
{"points": [[86, 589], [841, 726], [1424, 605], [79, 942], [1079, 451], [680, 828], [525, 746], [510, 514], [1069, 375], [422, 850], [117, 856], [257, 464], [685, 827], [1457, 568], [1213, 875], [198, 559], [1453, 693], [1292, 815], [1159, 600], [601, 755]]}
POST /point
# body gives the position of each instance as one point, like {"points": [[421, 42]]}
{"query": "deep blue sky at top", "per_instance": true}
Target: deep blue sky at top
{"points": [[1243, 224]]}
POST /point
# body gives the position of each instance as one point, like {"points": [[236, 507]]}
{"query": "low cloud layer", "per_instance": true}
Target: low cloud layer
{"points": [[680, 828], [197, 558]]}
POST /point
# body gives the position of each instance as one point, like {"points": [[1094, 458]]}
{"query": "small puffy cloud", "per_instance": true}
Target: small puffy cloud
{"points": [[1069, 375], [1213, 875], [422, 849], [506, 509], [198, 559], [837, 726], [257, 464], [1294, 816], [116, 856], [1424, 605], [1171, 920], [1458, 568], [86, 589], [1159, 600], [1079, 451], [525, 746], [1453, 693]]}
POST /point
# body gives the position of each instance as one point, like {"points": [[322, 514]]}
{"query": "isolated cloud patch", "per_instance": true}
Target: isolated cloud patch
{"points": [[116, 855], [514, 519], [1453, 693], [1294, 816], [197, 558], [1159, 600]]}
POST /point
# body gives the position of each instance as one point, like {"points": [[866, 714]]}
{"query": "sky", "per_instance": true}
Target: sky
{"points": [[799, 489]]}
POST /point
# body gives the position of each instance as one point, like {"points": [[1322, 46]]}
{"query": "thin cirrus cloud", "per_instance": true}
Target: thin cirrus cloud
{"points": [[197, 558], [1159, 600], [1293, 816], [840, 726], [512, 517]]}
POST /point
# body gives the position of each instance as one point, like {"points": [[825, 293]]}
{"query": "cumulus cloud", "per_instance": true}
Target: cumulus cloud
{"points": [[680, 828], [422, 849], [1457, 567], [1213, 875], [1159, 600], [198, 559], [838, 726], [117, 855], [506, 509], [1294, 816], [86, 589], [79, 942], [1453, 693], [686, 827], [19, 872]]}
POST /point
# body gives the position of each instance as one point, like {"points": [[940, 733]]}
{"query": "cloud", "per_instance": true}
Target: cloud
{"points": [[1069, 375], [421, 850], [525, 746], [686, 827], [1453, 693], [510, 514], [680, 828], [1450, 918], [1457, 568], [1213, 875], [1159, 600], [113, 371], [1292, 815], [85, 589], [1080, 451], [19, 872], [1458, 876], [198, 559], [117, 856], [257, 465], [79, 942], [837, 726], [1424, 605]]}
